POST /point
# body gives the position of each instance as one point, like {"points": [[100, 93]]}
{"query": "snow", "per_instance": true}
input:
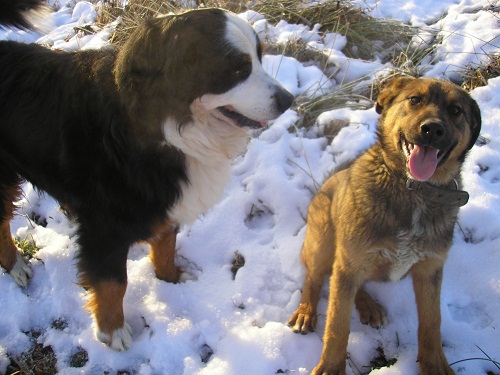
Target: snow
{"points": [[242, 322]]}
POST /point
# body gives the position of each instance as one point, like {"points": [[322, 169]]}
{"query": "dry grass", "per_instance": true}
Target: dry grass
{"points": [[479, 76], [367, 37], [39, 360], [132, 15], [343, 96]]}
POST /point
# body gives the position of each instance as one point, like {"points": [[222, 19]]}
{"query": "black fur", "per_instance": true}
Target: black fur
{"points": [[86, 128], [64, 129]]}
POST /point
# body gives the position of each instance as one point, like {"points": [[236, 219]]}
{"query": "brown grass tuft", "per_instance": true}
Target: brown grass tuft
{"points": [[479, 76], [39, 360]]}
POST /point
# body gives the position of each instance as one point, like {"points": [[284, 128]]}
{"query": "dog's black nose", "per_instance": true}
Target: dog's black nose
{"points": [[432, 130], [284, 99]]}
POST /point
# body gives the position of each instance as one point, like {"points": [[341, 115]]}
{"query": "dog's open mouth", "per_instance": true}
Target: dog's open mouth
{"points": [[422, 161], [239, 119]]}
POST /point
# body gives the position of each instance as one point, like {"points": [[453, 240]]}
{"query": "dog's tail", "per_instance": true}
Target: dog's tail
{"points": [[25, 14]]}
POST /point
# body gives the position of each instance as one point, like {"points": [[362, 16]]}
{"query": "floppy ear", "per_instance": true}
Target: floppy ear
{"points": [[140, 63], [475, 123], [144, 69], [390, 91]]}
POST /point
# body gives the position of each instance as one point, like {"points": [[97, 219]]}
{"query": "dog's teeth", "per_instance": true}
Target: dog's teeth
{"points": [[408, 147]]}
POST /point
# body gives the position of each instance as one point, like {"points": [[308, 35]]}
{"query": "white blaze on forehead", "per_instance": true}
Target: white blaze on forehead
{"points": [[241, 36]]}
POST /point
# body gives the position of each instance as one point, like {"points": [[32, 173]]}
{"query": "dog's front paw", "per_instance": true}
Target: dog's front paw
{"points": [[120, 339], [179, 275], [186, 276], [21, 272], [324, 370], [304, 319]]}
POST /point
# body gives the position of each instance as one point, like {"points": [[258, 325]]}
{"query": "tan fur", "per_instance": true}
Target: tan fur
{"points": [[364, 224], [163, 254], [106, 305], [8, 251]]}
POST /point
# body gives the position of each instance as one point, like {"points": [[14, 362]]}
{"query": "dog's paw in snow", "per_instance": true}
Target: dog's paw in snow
{"points": [[21, 272], [120, 339], [186, 276]]}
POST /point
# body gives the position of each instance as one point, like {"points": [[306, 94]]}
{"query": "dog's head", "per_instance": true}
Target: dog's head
{"points": [[427, 127], [197, 65]]}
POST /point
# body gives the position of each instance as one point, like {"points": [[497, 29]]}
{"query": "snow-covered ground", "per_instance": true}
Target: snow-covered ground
{"points": [[220, 326]]}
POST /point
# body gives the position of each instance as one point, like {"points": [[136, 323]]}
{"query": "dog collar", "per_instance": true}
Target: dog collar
{"points": [[438, 194]]}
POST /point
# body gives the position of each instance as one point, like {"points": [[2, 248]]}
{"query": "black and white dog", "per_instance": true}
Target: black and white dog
{"points": [[132, 141]]}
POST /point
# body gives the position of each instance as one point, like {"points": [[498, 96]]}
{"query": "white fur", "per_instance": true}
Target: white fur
{"points": [[21, 272], [119, 340], [406, 256], [209, 143], [40, 18], [408, 252]]}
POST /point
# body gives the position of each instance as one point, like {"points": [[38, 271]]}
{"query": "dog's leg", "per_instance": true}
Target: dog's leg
{"points": [[163, 254], [304, 319], [370, 312], [344, 285], [427, 276], [317, 256], [10, 258], [102, 264], [106, 304]]}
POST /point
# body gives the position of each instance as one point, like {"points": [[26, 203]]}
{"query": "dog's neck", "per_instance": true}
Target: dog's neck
{"points": [[448, 196]]}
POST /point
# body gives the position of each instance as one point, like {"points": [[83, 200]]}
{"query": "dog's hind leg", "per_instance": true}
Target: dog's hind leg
{"points": [[102, 264], [10, 258], [370, 312], [163, 254], [317, 256]]}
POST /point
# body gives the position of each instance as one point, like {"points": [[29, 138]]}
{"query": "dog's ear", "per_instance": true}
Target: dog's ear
{"points": [[390, 91], [144, 68], [475, 123]]}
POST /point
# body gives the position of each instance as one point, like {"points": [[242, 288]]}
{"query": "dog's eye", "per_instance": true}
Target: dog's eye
{"points": [[240, 72], [415, 100], [243, 71], [455, 110]]}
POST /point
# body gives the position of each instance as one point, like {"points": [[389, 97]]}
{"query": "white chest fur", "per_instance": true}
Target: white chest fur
{"points": [[410, 249], [204, 189], [210, 146], [406, 256]]}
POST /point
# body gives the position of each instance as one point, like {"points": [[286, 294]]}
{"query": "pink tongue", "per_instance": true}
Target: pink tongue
{"points": [[423, 162]]}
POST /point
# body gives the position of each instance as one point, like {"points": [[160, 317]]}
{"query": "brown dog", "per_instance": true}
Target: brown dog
{"points": [[391, 213]]}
